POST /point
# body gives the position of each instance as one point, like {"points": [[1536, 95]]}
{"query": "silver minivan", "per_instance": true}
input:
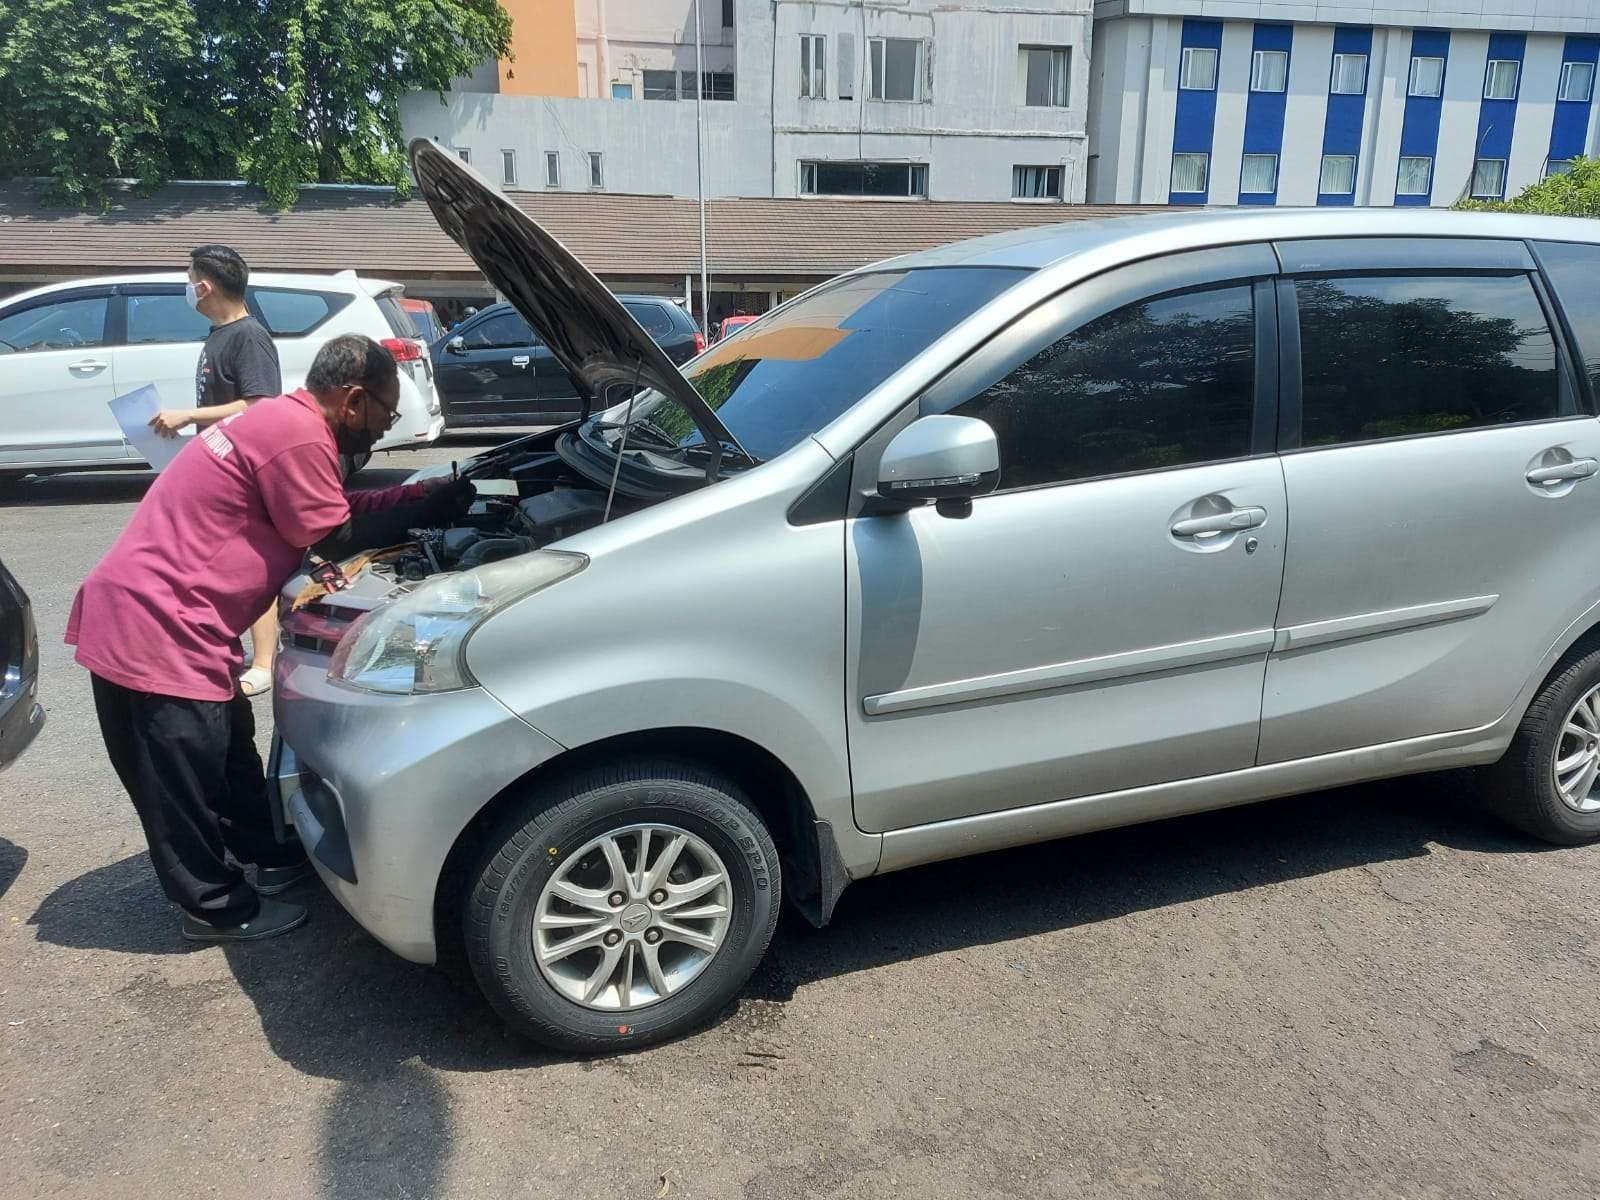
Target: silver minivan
{"points": [[1014, 539]]}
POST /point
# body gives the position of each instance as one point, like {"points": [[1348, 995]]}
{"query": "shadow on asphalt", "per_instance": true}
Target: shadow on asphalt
{"points": [[12, 859], [335, 1004]]}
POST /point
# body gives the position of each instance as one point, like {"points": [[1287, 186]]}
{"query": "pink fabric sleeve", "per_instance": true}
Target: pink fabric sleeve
{"points": [[304, 497], [402, 493]]}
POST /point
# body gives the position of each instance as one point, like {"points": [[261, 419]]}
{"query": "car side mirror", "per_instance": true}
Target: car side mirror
{"points": [[948, 460], [456, 345]]}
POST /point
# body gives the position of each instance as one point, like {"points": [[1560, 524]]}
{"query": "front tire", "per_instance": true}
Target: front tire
{"points": [[1548, 783], [622, 906]]}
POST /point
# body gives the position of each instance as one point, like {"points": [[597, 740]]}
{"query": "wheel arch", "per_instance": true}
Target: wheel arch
{"points": [[813, 873]]}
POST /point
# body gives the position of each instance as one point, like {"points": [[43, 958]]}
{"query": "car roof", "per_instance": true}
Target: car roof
{"points": [[1160, 233], [345, 281]]}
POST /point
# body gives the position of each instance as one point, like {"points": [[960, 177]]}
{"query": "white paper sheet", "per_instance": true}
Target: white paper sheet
{"points": [[133, 412]]}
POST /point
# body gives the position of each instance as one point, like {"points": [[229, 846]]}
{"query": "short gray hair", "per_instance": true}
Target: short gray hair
{"points": [[350, 359]]}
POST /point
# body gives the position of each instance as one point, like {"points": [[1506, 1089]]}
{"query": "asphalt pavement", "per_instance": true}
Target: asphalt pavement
{"points": [[1375, 992]]}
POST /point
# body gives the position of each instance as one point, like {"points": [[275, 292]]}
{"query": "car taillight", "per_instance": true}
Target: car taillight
{"points": [[403, 349], [699, 342]]}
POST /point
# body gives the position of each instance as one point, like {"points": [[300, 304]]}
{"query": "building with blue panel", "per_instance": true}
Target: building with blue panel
{"points": [[1337, 102]]}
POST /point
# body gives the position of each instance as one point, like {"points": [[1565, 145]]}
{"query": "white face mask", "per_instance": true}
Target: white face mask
{"points": [[190, 296]]}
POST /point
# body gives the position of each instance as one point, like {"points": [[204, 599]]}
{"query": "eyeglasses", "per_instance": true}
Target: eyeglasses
{"points": [[392, 417]]}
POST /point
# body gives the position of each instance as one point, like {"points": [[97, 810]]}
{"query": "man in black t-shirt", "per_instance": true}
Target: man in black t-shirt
{"points": [[238, 365]]}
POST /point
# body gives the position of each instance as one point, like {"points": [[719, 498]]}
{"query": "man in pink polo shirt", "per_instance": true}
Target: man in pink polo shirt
{"points": [[157, 623]]}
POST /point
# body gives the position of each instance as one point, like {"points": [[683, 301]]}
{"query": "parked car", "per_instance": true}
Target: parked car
{"points": [[429, 328], [70, 348], [494, 370], [731, 324], [1013, 539], [21, 716]]}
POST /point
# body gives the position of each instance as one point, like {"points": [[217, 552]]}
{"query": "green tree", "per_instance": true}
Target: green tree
{"points": [[282, 92], [1576, 193]]}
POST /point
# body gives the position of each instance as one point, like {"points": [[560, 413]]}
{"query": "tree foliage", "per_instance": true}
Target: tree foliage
{"points": [[1573, 194], [280, 92]]}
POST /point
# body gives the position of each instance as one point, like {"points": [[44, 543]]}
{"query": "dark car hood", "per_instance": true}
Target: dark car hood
{"points": [[587, 329]]}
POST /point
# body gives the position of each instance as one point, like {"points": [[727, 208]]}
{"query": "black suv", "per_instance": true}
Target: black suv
{"points": [[492, 369], [20, 714]]}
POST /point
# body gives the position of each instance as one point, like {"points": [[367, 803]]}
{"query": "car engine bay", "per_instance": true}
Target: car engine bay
{"points": [[496, 527]]}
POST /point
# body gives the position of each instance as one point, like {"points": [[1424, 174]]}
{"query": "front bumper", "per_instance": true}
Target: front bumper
{"points": [[380, 787]]}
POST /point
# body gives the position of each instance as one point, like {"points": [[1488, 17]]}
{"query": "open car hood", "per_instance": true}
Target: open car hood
{"points": [[601, 346]]}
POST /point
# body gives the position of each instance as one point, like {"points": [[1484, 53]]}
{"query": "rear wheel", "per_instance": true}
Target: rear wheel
{"points": [[624, 905], [1548, 783]]}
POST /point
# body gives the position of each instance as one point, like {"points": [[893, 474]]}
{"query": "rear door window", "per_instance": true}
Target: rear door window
{"points": [[654, 319], [1387, 356], [1164, 382], [163, 317], [292, 312], [64, 324], [1574, 272], [503, 329]]}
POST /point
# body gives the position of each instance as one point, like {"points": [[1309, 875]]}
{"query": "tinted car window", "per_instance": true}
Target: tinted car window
{"points": [[1390, 356], [58, 325], [503, 329], [288, 312], [164, 318], [1574, 272], [808, 364], [654, 319], [399, 319], [1160, 383]]}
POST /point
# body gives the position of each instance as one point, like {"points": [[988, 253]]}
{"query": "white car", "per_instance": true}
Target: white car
{"points": [[68, 349]]}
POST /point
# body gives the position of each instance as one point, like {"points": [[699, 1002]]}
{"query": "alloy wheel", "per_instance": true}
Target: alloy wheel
{"points": [[1577, 755]]}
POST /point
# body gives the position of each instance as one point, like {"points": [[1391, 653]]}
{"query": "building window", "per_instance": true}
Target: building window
{"points": [[846, 44], [552, 169], [1199, 70], [622, 91], [727, 14], [464, 154], [895, 65], [1047, 76], [1189, 172], [1577, 81], [1260, 174], [1415, 178], [1557, 166], [813, 67], [863, 179], [1349, 75], [597, 175], [1500, 79], [719, 85], [508, 166], [1338, 175], [1427, 77], [1036, 183], [1269, 71], [1489, 179], [660, 85]]}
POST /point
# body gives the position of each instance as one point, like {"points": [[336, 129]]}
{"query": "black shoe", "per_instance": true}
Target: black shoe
{"points": [[275, 917], [271, 881]]}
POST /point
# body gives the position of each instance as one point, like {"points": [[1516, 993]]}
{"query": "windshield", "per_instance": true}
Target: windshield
{"points": [[782, 379]]}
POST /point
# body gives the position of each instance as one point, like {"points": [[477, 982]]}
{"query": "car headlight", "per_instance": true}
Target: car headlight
{"points": [[416, 642]]}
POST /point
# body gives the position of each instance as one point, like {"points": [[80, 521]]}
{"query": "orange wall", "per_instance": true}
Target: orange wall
{"points": [[544, 39]]}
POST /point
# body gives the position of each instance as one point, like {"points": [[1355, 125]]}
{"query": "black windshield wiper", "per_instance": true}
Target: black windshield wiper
{"points": [[656, 436], [730, 450]]}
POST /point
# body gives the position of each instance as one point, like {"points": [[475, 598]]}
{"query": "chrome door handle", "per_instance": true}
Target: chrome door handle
{"points": [[1227, 522], [1578, 468], [88, 364], [520, 360]]}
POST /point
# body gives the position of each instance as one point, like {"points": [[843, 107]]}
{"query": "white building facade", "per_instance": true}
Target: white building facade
{"points": [[915, 99], [1308, 102]]}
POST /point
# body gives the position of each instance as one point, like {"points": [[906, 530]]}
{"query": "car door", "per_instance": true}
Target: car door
{"points": [[1103, 620], [56, 380], [162, 345], [1440, 460], [489, 377]]}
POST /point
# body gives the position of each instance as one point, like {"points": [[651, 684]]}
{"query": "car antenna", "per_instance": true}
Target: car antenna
{"points": [[622, 442]]}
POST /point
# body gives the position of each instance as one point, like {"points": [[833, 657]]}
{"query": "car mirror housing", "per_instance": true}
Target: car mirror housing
{"points": [[948, 460], [456, 345]]}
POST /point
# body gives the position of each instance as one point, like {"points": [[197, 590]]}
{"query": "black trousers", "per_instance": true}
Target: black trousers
{"points": [[196, 780]]}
